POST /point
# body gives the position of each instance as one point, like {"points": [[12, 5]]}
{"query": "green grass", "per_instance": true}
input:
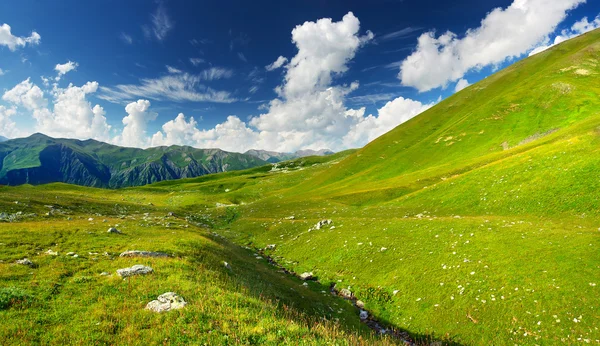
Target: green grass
{"points": [[475, 223]]}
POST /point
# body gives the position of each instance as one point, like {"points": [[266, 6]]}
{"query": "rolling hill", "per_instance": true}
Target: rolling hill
{"points": [[274, 157], [40, 159]]}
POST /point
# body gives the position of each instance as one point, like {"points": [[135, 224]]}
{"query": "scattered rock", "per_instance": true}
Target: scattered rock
{"points": [[105, 274], [383, 249], [290, 217], [137, 253], [363, 315], [346, 293], [323, 223], [91, 219], [166, 302], [26, 262], [226, 265], [51, 253], [271, 246], [137, 269], [114, 230], [170, 213], [396, 292], [307, 276], [360, 304], [71, 253]]}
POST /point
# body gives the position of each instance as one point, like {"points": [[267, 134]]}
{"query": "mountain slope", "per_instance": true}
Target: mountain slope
{"points": [[274, 157], [533, 98], [3, 139], [39, 159]]}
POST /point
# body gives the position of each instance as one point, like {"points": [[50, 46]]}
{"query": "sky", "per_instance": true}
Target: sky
{"points": [[272, 75]]}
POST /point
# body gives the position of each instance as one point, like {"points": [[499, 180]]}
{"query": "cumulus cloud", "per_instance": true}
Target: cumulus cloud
{"points": [[461, 84], [276, 64], [580, 27], [13, 42], [177, 87], [72, 115], [8, 127], [503, 34], [63, 69], [310, 111], [136, 123]]}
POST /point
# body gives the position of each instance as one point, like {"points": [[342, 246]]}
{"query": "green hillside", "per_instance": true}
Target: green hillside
{"points": [[39, 159], [475, 223]]}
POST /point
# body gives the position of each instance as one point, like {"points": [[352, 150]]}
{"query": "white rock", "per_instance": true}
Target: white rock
{"points": [[307, 276], [227, 265], [166, 302], [271, 246], [137, 253], [137, 269], [25, 262], [52, 253], [113, 230]]}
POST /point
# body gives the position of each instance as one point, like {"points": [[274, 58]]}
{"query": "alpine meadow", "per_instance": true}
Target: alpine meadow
{"points": [[475, 222]]}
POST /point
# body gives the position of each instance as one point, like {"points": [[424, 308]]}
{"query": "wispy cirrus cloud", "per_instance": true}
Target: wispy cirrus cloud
{"points": [[161, 24], [177, 86], [399, 34]]}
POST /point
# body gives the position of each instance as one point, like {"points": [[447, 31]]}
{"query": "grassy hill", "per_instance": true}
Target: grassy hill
{"points": [[39, 159], [474, 223]]}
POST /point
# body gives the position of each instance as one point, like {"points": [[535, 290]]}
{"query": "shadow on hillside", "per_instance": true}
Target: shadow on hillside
{"points": [[264, 280]]}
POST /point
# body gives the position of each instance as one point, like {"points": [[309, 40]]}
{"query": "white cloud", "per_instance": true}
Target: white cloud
{"points": [[14, 42], [8, 127], [276, 64], [214, 73], [196, 61], [161, 23], [173, 70], [461, 84], [174, 87], [242, 57], [136, 123], [126, 38], [2, 72], [503, 34], [399, 34], [65, 68], [579, 28], [310, 112], [392, 114], [72, 115]]}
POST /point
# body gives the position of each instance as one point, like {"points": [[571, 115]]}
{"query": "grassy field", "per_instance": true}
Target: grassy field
{"points": [[477, 222]]}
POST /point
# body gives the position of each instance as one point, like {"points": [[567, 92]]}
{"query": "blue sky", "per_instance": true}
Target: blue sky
{"points": [[145, 62]]}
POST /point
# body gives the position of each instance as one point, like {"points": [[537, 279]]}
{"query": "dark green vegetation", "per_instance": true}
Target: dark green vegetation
{"points": [[39, 159], [477, 222]]}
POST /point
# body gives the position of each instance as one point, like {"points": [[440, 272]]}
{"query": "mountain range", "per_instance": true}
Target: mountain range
{"points": [[274, 157], [40, 159]]}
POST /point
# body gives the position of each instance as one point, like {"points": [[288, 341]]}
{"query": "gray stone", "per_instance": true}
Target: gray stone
{"points": [[137, 269], [323, 223], [114, 230], [137, 253], [166, 302], [25, 262], [271, 246], [51, 253], [363, 315]]}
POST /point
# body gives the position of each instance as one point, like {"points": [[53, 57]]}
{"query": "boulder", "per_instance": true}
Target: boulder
{"points": [[307, 276], [360, 304], [363, 315], [137, 269], [137, 253], [346, 293], [26, 262], [114, 230], [166, 302]]}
